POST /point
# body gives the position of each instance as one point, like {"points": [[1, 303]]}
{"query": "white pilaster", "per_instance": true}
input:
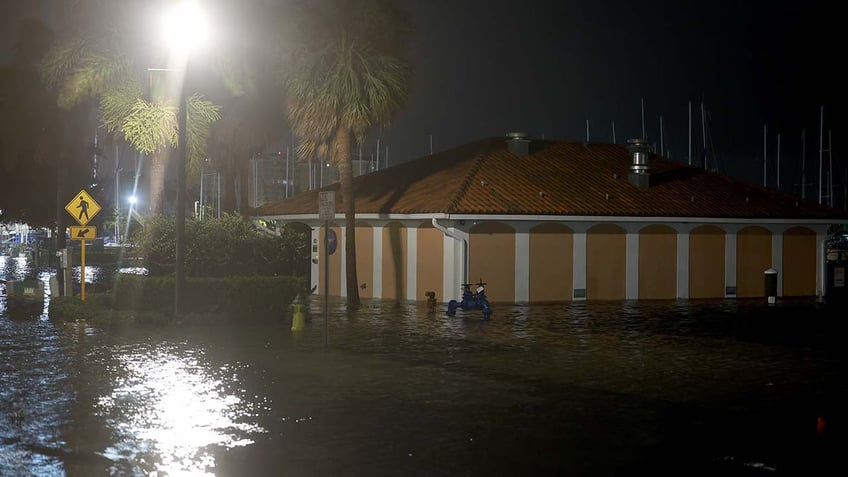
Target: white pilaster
{"points": [[412, 263], [579, 261], [730, 261], [522, 264], [777, 258], [450, 283], [377, 286], [342, 256], [683, 264], [632, 264]]}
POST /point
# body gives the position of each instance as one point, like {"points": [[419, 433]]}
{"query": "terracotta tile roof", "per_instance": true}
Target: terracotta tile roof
{"points": [[556, 178]]}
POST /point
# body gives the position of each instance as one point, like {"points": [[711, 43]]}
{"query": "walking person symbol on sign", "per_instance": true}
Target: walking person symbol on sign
{"points": [[83, 206]]}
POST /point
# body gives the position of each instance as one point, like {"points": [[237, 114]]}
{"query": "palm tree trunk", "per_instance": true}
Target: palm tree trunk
{"points": [[156, 181], [342, 147]]}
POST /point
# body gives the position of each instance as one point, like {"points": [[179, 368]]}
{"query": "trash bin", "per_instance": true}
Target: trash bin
{"points": [[770, 279]]}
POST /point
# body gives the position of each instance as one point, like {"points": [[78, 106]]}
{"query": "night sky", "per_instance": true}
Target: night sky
{"points": [[485, 68]]}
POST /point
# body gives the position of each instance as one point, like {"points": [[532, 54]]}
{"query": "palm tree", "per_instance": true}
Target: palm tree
{"points": [[346, 76], [104, 57]]}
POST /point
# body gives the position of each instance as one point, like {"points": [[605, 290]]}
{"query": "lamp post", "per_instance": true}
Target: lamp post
{"points": [[184, 28]]}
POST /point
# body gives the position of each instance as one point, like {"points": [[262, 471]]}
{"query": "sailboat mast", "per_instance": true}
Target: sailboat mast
{"points": [[662, 148], [764, 155], [690, 133], [704, 132], [613, 132], [778, 161], [821, 146], [803, 163]]}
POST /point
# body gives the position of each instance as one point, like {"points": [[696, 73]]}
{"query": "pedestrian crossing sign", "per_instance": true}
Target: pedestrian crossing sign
{"points": [[82, 207]]}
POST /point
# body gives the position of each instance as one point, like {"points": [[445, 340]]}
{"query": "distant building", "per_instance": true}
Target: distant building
{"points": [[556, 221]]}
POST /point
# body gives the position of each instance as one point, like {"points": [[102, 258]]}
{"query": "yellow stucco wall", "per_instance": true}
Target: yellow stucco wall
{"points": [[431, 262], [657, 262], [335, 262], [799, 262], [551, 263], [365, 259], [753, 258], [606, 262], [394, 261], [492, 259], [706, 262]]}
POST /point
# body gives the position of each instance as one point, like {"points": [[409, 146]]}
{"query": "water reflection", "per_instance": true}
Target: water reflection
{"points": [[168, 411]]}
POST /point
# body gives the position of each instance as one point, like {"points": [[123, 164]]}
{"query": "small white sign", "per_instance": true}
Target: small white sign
{"points": [[839, 277], [327, 205]]}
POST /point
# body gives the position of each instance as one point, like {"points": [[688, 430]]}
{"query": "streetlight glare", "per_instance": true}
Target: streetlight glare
{"points": [[185, 27], [133, 200]]}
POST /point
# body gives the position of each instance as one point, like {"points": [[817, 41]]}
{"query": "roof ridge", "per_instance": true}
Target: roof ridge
{"points": [[466, 183]]}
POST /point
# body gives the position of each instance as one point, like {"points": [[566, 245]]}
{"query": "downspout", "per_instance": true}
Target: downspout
{"points": [[456, 236]]}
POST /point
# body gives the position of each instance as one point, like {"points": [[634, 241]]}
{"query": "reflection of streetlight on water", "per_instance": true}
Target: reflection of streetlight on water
{"points": [[184, 28]]}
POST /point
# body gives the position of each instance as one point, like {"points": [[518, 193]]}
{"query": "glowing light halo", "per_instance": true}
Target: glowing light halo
{"points": [[185, 27]]}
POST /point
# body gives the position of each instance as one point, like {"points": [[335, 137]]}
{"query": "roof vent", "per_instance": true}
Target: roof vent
{"points": [[639, 174], [518, 143]]}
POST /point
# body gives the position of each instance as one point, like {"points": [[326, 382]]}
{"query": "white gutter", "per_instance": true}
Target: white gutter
{"points": [[456, 235], [569, 218]]}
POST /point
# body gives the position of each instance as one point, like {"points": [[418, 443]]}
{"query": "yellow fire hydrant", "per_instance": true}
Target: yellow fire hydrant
{"points": [[298, 320]]}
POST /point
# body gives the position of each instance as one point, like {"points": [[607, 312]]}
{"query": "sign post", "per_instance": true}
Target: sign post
{"points": [[82, 208], [326, 212]]}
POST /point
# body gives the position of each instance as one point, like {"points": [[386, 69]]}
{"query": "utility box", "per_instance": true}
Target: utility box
{"points": [[770, 279]]}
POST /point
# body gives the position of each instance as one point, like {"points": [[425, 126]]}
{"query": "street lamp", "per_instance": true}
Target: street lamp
{"points": [[184, 28]]}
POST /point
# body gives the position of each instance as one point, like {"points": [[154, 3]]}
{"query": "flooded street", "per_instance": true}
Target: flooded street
{"points": [[693, 388]]}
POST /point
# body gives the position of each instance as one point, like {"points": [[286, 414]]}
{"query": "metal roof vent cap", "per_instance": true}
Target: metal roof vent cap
{"points": [[639, 174], [518, 143]]}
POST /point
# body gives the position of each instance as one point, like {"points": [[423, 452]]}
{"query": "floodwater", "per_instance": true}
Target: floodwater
{"points": [[622, 388]]}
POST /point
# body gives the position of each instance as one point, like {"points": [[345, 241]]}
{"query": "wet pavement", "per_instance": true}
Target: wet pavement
{"points": [[623, 388]]}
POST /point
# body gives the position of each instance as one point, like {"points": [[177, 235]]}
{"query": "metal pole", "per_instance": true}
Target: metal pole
{"points": [[704, 133], [803, 164], [587, 130], [613, 132], [179, 268], [117, 198], [690, 133], [326, 278], [821, 146], [202, 176], [662, 147], [778, 162], [765, 160], [642, 101]]}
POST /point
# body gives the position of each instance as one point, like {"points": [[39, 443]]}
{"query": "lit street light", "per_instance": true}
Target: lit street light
{"points": [[184, 28]]}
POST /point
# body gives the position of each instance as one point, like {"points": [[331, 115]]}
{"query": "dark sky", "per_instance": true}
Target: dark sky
{"points": [[485, 68]]}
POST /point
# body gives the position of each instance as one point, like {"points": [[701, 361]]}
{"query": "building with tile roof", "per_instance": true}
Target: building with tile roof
{"points": [[566, 220]]}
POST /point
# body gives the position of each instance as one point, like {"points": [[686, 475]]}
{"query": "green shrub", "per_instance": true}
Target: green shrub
{"points": [[225, 247]]}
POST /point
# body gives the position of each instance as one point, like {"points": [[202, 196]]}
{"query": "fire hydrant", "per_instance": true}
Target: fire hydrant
{"points": [[298, 320]]}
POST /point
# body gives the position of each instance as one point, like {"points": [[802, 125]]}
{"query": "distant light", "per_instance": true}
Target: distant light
{"points": [[133, 199], [185, 27]]}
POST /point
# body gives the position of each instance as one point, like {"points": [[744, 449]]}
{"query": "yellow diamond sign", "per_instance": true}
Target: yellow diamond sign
{"points": [[82, 207]]}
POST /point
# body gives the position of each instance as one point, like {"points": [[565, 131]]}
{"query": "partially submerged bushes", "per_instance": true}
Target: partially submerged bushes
{"points": [[233, 273]]}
